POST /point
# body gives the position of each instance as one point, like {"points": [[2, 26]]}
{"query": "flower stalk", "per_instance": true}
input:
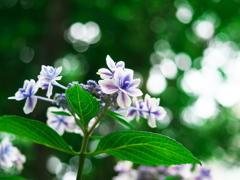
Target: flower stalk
{"points": [[82, 155]]}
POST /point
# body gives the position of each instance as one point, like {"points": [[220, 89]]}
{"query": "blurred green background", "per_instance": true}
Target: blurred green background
{"points": [[186, 53]]}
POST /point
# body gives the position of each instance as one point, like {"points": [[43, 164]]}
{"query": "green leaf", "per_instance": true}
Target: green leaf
{"points": [[35, 131], [171, 178], [119, 118], [96, 137], [83, 103], [144, 148], [62, 113], [11, 177]]}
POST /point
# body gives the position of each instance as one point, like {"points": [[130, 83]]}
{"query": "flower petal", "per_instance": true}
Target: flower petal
{"points": [[134, 92], [69, 126], [58, 78], [123, 100], [105, 73], [147, 101], [120, 64], [122, 77], [56, 125], [109, 86], [30, 104], [49, 91], [134, 83], [31, 88], [160, 113], [110, 62], [25, 85], [151, 121], [58, 70], [128, 76], [131, 114], [118, 75]]}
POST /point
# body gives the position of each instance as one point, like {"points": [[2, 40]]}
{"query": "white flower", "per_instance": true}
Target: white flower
{"points": [[10, 156], [152, 110], [125, 171], [48, 77], [60, 123], [123, 84], [123, 166], [27, 92], [137, 110], [108, 74]]}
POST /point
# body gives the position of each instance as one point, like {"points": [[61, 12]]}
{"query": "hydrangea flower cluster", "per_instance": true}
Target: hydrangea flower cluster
{"points": [[48, 77], [149, 109], [181, 172], [119, 80], [61, 123], [10, 156], [115, 89]]}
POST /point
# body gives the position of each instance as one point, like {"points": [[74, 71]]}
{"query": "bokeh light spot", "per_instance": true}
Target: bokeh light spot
{"points": [[168, 68], [82, 35], [52, 164], [184, 13], [156, 82], [183, 61], [26, 54], [204, 29]]}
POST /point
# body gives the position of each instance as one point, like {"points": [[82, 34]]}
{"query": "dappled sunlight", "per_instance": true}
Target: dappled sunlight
{"points": [[184, 84], [219, 75]]}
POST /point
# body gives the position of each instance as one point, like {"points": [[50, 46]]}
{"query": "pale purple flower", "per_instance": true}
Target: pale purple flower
{"points": [[152, 110], [136, 110], [20, 161], [125, 171], [183, 171], [10, 156], [48, 77], [27, 92], [123, 84], [147, 172], [108, 74], [129, 175], [60, 123], [123, 166], [203, 173]]}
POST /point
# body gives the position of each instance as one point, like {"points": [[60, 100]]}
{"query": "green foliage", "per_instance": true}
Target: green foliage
{"points": [[171, 178], [119, 118], [96, 137], [11, 178], [130, 30], [83, 103], [62, 113], [144, 148], [34, 131]]}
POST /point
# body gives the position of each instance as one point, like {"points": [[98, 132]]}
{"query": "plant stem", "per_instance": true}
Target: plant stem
{"points": [[86, 135], [82, 155]]}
